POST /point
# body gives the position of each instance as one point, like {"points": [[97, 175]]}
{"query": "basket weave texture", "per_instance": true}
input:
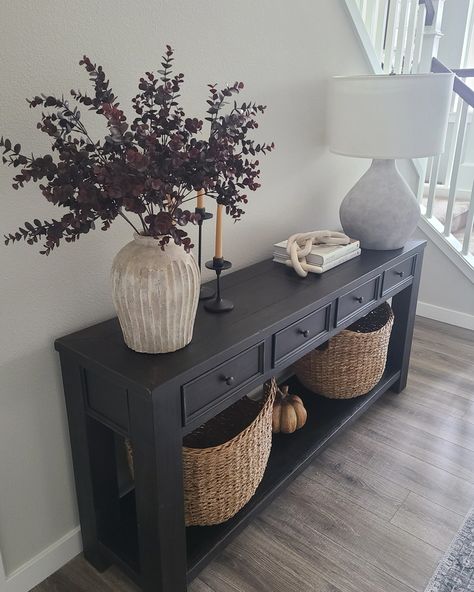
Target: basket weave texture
{"points": [[220, 480], [350, 365]]}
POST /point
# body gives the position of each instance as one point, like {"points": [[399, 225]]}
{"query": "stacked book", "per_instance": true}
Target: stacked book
{"points": [[322, 257]]}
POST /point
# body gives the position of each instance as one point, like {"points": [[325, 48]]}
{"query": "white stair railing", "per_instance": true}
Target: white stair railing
{"points": [[396, 29], [465, 96]]}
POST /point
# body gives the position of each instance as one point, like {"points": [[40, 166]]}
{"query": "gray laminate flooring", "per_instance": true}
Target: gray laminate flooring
{"points": [[375, 511]]}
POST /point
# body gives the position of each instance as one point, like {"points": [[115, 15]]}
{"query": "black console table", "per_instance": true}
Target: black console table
{"points": [[113, 392]]}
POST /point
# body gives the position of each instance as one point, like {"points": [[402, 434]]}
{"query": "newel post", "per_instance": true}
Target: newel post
{"points": [[431, 37]]}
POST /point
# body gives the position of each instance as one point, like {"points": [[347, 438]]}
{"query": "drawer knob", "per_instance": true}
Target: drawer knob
{"points": [[304, 332], [229, 380], [360, 299], [400, 273]]}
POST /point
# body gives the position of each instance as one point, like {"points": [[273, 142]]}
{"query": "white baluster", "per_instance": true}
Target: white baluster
{"points": [[429, 168], [380, 20], [419, 32], [401, 35], [456, 108], [469, 225], [411, 31], [424, 170], [433, 185], [392, 24], [456, 164]]}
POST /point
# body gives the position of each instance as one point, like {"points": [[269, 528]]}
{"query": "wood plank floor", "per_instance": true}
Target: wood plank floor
{"points": [[375, 511]]}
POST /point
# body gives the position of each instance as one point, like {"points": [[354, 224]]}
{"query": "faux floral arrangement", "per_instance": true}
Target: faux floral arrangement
{"points": [[150, 168]]}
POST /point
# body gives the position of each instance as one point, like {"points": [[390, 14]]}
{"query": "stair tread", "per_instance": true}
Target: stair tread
{"points": [[460, 212]]}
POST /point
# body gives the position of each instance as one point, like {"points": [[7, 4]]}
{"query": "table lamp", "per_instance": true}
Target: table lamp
{"points": [[386, 117]]}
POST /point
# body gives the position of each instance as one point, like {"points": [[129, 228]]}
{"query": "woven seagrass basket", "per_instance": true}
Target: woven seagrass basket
{"points": [[220, 479], [351, 363]]}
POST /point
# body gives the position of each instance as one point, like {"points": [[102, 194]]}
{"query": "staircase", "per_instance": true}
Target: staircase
{"points": [[402, 37]]}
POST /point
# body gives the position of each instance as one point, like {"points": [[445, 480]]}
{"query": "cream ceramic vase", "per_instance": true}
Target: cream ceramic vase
{"points": [[155, 293]]}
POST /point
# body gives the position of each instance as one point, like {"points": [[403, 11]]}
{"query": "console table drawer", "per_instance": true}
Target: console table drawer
{"points": [[213, 387], [356, 299], [297, 335], [397, 274]]}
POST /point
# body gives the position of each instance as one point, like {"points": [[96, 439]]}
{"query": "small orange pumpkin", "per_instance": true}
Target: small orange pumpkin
{"points": [[289, 413]]}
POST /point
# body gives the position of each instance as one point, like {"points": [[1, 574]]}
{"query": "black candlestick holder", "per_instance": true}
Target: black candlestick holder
{"points": [[219, 304], [206, 292]]}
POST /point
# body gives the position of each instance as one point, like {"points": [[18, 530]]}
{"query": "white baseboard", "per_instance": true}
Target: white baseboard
{"points": [[37, 569], [445, 315]]}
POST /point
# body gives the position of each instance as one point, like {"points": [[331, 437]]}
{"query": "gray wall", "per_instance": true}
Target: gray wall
{"points": [[284, 51]]}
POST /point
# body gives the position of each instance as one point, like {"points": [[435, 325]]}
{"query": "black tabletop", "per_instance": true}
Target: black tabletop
{"points": [[266, 295]]}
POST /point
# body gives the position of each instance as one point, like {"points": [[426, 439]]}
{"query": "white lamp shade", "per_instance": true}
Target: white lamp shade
{"points": [[385, 117]]}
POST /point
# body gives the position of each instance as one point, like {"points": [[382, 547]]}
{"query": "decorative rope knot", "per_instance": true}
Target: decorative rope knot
{"points": [[299, 247]]}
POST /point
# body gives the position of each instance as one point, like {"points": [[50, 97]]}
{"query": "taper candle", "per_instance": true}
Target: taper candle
{"points": [[218, 250], [200, 199]]}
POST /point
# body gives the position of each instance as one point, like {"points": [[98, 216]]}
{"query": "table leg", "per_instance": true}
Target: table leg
{"points": [[404, 309], [157, 444], [80, 431]]}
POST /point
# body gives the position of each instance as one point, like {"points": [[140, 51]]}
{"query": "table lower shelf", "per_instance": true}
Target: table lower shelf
{"points": [[290, 454]]}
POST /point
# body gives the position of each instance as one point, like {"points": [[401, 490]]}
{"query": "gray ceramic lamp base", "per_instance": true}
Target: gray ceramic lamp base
{"points": [[381, 210]]}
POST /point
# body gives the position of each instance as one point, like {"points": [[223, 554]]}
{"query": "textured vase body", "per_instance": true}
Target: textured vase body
{"points": [[381, 210], [155, 294]]}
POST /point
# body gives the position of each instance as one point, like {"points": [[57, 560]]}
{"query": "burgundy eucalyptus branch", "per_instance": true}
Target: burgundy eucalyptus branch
{"points": [[148, 168]]}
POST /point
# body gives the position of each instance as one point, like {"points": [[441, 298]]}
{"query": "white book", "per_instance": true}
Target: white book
{"points": [[320, 268], [320, 254]]}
